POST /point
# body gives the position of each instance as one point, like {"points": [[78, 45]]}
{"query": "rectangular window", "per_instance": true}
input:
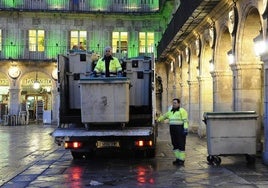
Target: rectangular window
{"points": [[36, 40], [78, 39], [120, 42], [146, 42]]}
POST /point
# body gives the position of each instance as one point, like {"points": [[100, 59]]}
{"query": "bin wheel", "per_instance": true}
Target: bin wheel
{"points": [[217, 160], [210, 159], [250, 159], [214, 160]]}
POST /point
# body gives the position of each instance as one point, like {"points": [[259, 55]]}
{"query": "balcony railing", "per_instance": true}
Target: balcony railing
{"points": [[21, 52], [82, 5]]}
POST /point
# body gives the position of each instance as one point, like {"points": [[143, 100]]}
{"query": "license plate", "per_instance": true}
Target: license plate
{"points": [[104, 144]]}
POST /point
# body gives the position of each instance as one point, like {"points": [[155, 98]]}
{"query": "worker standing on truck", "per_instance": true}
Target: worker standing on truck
{"points": [[178, 127], [108, 65]]}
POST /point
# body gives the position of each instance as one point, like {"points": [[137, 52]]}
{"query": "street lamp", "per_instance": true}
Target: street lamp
{"points": [[36, 84], [231, 57], [259, 45], [211, 65]]}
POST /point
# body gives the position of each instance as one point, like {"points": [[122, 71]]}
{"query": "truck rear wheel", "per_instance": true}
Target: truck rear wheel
{"points": [[77, 155], [82, 155], [150, 153]]}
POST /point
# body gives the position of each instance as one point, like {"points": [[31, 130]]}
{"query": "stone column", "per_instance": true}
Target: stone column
{"points": [[248, 91], [222, 91], [55, 107], [14, 101], [247, 87], [205, 101], [193, 106], [265, 117], [184, 96]]}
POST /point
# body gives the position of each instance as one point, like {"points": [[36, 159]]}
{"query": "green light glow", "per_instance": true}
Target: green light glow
{"points": [[100, 4], [11, 49], [57, 4], [13, 4], [53, 44]]}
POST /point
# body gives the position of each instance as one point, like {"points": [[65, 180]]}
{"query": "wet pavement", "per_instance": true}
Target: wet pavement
{"points": [[29, 158]]}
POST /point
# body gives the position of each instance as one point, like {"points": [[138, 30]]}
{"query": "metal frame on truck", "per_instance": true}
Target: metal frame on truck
{"points": [[83, 129]]}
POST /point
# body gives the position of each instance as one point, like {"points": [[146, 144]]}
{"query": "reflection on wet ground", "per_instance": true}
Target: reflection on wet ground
{"points": [[29, 158]]}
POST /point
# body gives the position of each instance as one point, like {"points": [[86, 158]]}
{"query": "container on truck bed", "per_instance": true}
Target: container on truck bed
{"points": [[100, 112]]}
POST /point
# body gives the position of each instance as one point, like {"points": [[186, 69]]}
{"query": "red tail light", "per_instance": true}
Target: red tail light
{"points": [[142, 143], [72, 145]]}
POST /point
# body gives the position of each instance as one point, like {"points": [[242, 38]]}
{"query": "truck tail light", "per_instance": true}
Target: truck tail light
{"points": [[143, 143], [72, 145]]}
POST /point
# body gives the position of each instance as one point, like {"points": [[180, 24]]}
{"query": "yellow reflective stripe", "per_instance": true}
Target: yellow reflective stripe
{"points": [[179, 154], [176, 123]]}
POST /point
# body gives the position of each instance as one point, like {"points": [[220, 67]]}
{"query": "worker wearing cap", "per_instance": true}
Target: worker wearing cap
{"points": [[178, 121], [108, 65]]}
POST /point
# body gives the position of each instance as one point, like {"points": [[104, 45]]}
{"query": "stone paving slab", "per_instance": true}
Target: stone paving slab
{"points": [[52, 166]]}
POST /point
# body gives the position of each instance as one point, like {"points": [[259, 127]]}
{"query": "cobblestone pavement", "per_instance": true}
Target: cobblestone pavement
{"points": [[29, 158]]}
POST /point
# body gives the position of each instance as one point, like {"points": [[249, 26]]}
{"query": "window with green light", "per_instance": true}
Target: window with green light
{"points": [[146, 42], [119, 42], [77, 37], [36, 40]]}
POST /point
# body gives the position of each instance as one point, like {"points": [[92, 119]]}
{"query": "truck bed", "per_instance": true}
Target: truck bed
{"points": [[127, 131]]}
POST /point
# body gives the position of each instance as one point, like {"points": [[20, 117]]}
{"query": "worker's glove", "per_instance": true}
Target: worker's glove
{"points": [[119, 74], [93, 74], [185, 132]]}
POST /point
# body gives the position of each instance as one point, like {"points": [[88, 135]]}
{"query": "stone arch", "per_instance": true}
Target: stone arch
{"points": [[205, 86], [29, 96], [184, 79], [4, 94], [193, 111], [222, 74], [248, 69], [249, 29]]}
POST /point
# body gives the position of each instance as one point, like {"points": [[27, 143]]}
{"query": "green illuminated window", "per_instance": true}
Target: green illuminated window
{"points": [[119, 42], [146, 42], [36, 40], [77, 37]]}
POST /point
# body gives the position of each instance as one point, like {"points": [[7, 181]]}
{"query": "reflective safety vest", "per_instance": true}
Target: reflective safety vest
{"points": [[180, 117], [114, 66]]}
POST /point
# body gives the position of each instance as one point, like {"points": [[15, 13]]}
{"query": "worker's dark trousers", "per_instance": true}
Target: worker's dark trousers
{"points": [[178, 139]]}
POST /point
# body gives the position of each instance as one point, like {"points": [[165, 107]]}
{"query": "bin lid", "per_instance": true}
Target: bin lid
{"points": [[230, 114], [104, 80]]}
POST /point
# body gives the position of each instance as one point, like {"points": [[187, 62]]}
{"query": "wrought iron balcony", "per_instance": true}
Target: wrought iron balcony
{"points": [[21, 52], [115, 6]]}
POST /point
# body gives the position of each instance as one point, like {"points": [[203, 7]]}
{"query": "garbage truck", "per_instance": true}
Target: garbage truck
{"points": [[97, 112]]}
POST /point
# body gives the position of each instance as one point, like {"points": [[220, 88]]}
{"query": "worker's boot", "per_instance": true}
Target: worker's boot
{"points": [[180, 156], [178, 162]]}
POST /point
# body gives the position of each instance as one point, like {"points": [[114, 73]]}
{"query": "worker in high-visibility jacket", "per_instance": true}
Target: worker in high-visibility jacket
{"points": [[108, 65], [178, 127]]}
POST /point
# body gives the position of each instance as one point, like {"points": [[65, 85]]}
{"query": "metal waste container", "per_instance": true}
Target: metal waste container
{"points": [[231, 133], [104, 100]]}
